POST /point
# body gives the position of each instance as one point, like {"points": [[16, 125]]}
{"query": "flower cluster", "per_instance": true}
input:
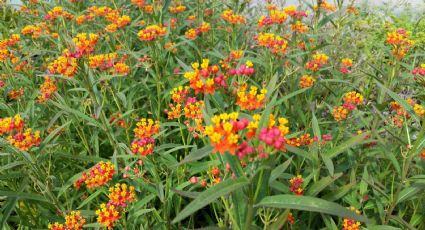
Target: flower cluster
{"points": [[274, 17], [151, 33], [144, 143], [224, 132], [84, 43], [10, 124], [303, 140], [120, 195], [419, 74], [111, 15], [351, 101], [57, 12], [318, 61], [401, 42], [108, 215], [325, 6], [98, 175], [109, 62], [194, 33], [350, 224], [274, 42], [35, 30], [247, 69], [205, 78], [307, 81], [25, 140], [74, 221], [346, 64], [47, 89], [296, 185], [252, 99], [64, 64], [177, 9], [143, 146], [232, 18]]}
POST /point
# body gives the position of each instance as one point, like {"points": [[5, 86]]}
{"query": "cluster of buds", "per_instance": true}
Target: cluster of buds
{"points": [[97, 176], [419, 74], [274, 134], [319, 60], [303, 140], [205, 78], [246, 69], [351, 101], [121, 195], [250, 100], [296, 185], [346, 64], [152, 33], [47, 89], [351, 224], [232, 18], [115, 119], [231, 59], [400, 41], [275, 43]]}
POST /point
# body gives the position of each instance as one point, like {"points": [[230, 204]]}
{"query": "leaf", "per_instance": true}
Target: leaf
{"points": [[318, 186], [210, 195], [197, 154], [298, 151], [311, 204], [90, 198], [409, 192], [338, 193], [382, 227], [276, 172], [335, 151], [316, 128], [23, 195]]}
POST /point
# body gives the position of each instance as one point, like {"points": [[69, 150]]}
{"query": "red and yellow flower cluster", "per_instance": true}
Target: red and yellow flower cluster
{"points": [[57, 12], [144, 143], [84, 43], [22, 139], [232, 18], [401, 42], [73, 221], [275, 43], [47, 89], [98, 175], [250, 100], [205, 78], [111, 15], [10, 124], [193, 33], [109, 62], [152, 32], [351, 101], [296, 185], [350, 224], [319, 60], [65, 65]]}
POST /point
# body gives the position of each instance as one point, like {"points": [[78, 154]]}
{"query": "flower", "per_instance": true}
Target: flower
{"points": [[318, 61], [193, 109], [143, 146], [400, 40], [64, 64], [108, 215], [276, 43], [353, 98], [232, 18], [56, 226], [9, 124], [299, 27], [146, 128], [120, 195], [339, 113], [85, 43], [46, 90], [152, 32], [224, 132], [74, 221], [206, 78], [350, 224], [98, 175], [306, 81], [176, 9], [296, 185], [25, 140], [250, 100]]}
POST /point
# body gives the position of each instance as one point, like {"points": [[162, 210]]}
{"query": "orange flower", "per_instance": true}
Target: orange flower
{"points": [[120, 195], [232, 18], [46, 90], [193, 109], [353, 98], [306, 81], [102, 61], [318, 61], [179, 94], [139, 3], [146, 128], [276, 43], [58, 12], [305, 139], [204, 27], [350, 224], [191, 34], [98, 175], [201, 79], [74, 221], [224, 132], [175, 111], [85, 42], [251, 100], [25, 140], [9, 124], [176, 9], [64, 65], [340, 113], [419, 110], [400, 40], [326, 6], [121, 69], [299, 27], [347, 62], [107, 215], [422, 154], [151, 33]]}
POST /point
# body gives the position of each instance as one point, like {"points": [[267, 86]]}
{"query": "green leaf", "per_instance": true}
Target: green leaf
{"points": [[197, 154], [22, 195], [356, 140], [276, 172], [322, 184], [409, 192], [382, 227], [311, 204], [210, 195]]}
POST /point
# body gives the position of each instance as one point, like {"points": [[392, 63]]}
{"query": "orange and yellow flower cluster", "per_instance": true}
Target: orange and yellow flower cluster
{"points": [[144, 143], [98, 175], [152, 33], [232, 18], [351, 224], [296, 185], [252, 99], [275, 43], [46, 90], [108, 215], [65, 65], [121, 195], [10, 124], [351, 101], [307, 81], [205, 78], [319, 60], [401, 42]]}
